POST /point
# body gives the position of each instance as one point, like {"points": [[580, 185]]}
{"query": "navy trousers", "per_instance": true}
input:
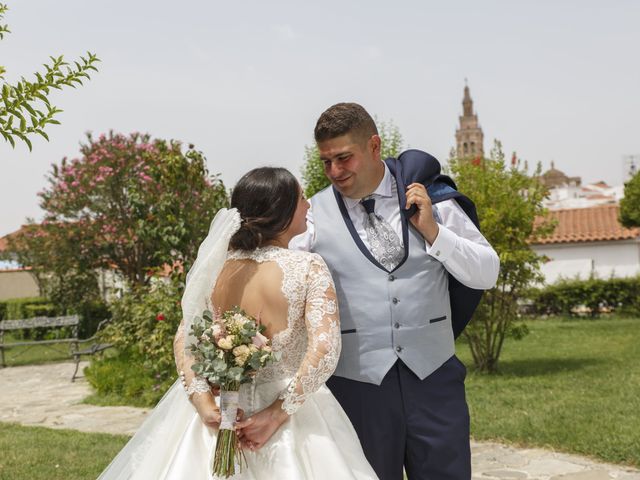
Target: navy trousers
{"points": [[422, 425]]}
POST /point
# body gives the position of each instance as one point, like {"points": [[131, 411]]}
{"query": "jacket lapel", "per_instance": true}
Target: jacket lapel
{"points": [[352, 230], [395, 168]]}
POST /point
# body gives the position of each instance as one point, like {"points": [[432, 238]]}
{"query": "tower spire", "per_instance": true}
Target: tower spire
{"points": [[469, 136]]}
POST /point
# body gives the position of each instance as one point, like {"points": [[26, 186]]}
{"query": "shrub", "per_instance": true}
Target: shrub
{"points": [[593, 296], [125, 379], [91, 314], [142, 328], [19, 308]]}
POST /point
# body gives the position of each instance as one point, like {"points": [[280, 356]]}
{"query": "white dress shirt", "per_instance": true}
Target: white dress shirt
{"points": [[459, 246]]}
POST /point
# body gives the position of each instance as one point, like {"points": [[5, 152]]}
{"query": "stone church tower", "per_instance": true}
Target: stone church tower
{"points": [[469, 136]]}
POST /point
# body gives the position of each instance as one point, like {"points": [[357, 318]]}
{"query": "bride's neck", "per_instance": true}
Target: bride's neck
{"points": [[281, 241]]}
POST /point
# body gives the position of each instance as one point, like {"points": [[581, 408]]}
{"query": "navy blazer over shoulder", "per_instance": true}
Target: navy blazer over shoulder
{"points": [[416, 166]]}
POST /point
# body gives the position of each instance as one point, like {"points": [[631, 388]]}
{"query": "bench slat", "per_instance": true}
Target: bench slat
{"points": [[70, 320]]}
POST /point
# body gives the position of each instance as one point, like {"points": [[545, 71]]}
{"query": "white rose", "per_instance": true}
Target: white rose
{"points": [[241, 350], [226, 343], [241, 360]]}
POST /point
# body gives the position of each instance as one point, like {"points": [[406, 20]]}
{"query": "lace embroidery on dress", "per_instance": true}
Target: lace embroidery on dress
{"points": [[310, 345], [184, 360]]}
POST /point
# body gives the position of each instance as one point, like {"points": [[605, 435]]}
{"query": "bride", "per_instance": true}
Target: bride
{"points": [[297, 428]]}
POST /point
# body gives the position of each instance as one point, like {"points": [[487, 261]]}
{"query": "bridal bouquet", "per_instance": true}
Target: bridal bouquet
{"points": [[229, 349]]}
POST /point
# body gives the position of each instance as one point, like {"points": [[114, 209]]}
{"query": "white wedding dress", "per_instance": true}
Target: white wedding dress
{"points": [[316, 442]]}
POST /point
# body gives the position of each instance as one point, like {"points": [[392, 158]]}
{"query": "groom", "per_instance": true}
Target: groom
{"points": [[398, 378]]}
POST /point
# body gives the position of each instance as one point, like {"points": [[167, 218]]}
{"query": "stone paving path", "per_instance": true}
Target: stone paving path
{"points": [[44, 395]]}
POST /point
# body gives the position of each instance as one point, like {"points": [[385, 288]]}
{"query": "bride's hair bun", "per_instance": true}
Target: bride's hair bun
{"points": [[266, 199], [248, 236]]}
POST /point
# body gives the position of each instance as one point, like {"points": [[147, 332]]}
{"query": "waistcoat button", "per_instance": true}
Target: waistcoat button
{"points": [[396, 325], [398, 349], [392, 278], [395, 300]]}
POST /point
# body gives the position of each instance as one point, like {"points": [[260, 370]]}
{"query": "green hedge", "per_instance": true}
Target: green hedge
{"points": [[91, 313], [593, 296], [18, 308]]}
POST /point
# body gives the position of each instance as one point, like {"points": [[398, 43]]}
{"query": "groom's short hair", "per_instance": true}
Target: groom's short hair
{"points": [[343, 118]]}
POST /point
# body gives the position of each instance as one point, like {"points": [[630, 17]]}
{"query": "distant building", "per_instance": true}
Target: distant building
{"points": [[554, 178], [589, 241], [568, 192], [469, 137], [16, 281]]}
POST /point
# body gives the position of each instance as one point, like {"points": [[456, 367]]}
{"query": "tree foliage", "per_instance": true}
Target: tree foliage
{"points": [[630, 204], [25, 109], [509, 204], [63, 272], [129, 204], [313, 176]]}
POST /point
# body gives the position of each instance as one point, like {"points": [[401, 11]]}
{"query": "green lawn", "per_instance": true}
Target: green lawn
{"points": [[37, 354], [36, 453], [572, 385]]}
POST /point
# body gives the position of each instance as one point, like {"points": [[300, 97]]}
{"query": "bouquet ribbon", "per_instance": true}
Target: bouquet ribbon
{"points": [[228, 409]]}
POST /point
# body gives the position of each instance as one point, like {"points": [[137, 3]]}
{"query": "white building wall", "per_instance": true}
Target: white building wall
{"points": [[601, 259]]}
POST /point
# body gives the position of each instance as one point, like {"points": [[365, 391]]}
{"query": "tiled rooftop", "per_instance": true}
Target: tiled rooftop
{"points": [[594, 224]]}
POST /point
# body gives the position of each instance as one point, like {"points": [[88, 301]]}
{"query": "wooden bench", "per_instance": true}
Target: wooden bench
{"points": [[74, 342]]}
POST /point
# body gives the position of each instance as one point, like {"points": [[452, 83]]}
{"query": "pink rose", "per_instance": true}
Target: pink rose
{"points": [[259, 340]]}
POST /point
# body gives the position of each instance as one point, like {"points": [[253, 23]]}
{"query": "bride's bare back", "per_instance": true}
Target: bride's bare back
{"points": [[257, 289], [294, 295]]}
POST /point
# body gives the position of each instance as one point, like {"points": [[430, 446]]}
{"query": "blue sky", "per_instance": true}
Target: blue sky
{"points": [[246, 81]]}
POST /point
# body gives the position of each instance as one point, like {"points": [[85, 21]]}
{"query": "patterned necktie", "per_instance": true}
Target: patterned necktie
{"points": [[384, 243]]}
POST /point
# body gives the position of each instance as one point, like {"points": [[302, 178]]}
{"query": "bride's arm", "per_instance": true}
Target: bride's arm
{"points": [[323, 351], [197, 388], [323, 337]]}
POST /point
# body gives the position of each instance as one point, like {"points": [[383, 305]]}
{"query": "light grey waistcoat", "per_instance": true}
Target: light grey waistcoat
{"points": [[384, 316]]}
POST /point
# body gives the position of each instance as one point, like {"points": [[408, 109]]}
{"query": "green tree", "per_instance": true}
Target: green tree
{"points": [[63, 272], [509, 204], [630, 204], [25, 109], [313, 176], [129, 204]]}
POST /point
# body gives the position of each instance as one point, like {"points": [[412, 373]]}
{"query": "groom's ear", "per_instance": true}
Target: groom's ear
{"points": [[374, 144]]}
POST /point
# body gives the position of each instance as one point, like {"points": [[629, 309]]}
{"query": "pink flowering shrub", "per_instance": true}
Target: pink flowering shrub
{"points": [[133, 203]]}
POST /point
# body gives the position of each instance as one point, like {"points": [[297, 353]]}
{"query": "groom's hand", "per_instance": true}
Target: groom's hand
{"points": [[423, 219]]}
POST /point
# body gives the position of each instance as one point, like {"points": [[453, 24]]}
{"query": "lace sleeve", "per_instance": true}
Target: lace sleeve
{"points": [[323, 337], [184, 360]]}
